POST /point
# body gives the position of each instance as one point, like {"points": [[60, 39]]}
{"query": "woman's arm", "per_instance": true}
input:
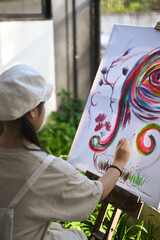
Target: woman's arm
{"points": [[121, 157]]}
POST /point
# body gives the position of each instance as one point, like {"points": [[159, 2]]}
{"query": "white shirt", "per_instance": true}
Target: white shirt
{"points": [[61, 193]]}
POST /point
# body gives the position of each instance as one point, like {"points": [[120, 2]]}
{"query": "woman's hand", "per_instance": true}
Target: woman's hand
{"points": [[122, 153]]}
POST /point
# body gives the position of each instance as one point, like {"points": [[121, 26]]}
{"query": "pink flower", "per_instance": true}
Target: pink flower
{"points": [[108, 126], [100, 118], [98, 126]]}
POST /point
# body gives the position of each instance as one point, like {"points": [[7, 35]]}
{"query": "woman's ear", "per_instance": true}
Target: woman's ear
{"points": [[36, 117], [31, 115]]}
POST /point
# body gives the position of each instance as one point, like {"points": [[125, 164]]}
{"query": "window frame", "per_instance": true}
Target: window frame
{"points": [[45, 15]]}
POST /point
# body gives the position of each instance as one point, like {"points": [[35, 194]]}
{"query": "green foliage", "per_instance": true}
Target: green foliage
{"points": [[124, 232], [151, 229], [124, 6], [70, 108], [58, 133]]}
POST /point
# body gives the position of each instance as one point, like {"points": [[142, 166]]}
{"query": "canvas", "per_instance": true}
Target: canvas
{"points": [[124, 101]]}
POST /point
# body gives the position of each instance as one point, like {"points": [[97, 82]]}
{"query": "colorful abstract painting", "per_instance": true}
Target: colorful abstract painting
{"points": [[124, 101]]}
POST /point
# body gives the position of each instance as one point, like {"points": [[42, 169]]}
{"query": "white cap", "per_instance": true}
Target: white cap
{"points": [[22, 88]]}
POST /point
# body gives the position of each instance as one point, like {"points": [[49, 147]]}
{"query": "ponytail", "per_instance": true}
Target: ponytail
{"points": [[28, 130]]}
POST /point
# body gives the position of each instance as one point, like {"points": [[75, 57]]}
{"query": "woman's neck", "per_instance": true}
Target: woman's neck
{"points": [[12, 138]]}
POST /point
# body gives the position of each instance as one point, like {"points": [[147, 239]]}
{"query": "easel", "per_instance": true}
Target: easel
{"points": [[122, 200]]}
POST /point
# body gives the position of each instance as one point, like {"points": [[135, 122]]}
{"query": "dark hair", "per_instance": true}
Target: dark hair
{"points": [[28, 130]]}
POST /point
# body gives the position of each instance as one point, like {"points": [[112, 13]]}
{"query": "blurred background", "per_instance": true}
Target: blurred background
{"points": [[65, 39]]}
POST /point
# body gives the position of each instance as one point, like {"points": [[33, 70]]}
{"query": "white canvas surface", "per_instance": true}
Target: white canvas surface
{"points": [[124, 101]]}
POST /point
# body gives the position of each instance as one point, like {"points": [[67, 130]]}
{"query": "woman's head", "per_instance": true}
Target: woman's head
{"points": [[22, 89], [23, 94]]}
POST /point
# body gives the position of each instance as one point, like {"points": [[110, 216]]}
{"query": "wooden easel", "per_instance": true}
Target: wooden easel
{"points": [[122, 200]]}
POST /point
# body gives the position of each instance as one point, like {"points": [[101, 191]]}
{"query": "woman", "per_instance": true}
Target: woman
{"points": [[61, 192]]}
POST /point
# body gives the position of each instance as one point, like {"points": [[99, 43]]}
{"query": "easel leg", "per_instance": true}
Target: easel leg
{"points": [[96, 233], [113, 222], [99, 219]]}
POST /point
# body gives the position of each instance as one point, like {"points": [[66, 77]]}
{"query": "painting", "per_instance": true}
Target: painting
{"points": [[124, 101]]}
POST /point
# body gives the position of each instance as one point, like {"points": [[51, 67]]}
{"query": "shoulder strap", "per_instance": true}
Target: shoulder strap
{"points": [[34, 177]]}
